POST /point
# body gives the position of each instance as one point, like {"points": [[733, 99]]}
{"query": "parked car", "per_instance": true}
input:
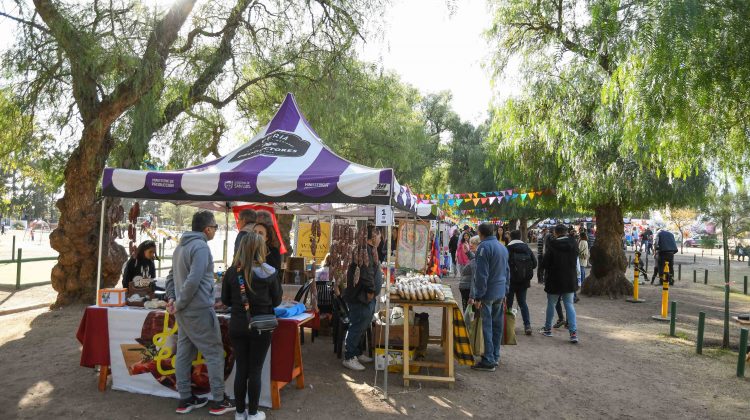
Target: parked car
{"points": [[692, 242]]}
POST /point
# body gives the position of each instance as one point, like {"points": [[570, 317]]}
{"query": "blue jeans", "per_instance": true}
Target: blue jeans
{"points": [[570, 310], [360, 317], [520, 293], [492, 329]]}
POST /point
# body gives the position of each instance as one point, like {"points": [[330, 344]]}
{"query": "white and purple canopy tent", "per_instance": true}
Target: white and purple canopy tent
{"points": [[286, 162]]}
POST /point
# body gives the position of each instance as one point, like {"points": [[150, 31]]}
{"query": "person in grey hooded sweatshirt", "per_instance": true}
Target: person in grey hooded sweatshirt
{"points": [[190, 297]]}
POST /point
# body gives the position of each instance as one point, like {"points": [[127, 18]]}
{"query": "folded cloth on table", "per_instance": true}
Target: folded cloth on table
{"points": [[289, 309]]}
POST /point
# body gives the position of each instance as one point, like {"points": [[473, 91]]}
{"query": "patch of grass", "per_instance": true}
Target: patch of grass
{"points": [[718, 352]]}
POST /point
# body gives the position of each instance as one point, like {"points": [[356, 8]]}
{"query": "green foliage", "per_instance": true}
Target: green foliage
{"points": [[566, 130]]}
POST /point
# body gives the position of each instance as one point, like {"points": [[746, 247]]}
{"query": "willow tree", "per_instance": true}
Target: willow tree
{"points": [[566, 130], [117, 74]]}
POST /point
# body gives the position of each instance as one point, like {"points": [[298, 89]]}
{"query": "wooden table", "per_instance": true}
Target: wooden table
{"points": [[445, 340]]}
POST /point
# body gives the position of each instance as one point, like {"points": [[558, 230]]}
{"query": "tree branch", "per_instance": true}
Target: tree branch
{"points": [[26, 22]]}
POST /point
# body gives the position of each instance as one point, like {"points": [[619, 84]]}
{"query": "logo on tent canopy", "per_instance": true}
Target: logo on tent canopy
{"points": [[277, 144]]}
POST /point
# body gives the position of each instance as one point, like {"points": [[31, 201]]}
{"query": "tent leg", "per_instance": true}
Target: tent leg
{"points": [[99, 257], [226, 235], [388, 309], [296, 234]]}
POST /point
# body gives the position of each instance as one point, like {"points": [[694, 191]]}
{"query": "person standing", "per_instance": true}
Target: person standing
{"points": [[245, 223], [359, 295], [521, 262], [467, 274], [583, 254], [452, 248], [265, 228], [665, 247], [190, 297], [462, 254], [488, 294], [561, 263], [540, 253], [250, 286]]}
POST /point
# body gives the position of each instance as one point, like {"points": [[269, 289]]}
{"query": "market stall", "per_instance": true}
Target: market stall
{"points": [[286, 164]]}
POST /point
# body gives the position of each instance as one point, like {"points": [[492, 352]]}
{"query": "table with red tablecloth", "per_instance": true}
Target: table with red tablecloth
{"points": [[132, 331]]}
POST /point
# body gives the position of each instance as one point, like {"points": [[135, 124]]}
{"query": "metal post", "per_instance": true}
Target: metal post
{"points": [[226, 234], [693, 258], [705, 277], [99, 258], [743, 353], [701, 325], [636, 274], [673, 319], [13, 249], [744, 289], [388, 309], [695, 277], [679, 272], [18, 269], [296, 235]]}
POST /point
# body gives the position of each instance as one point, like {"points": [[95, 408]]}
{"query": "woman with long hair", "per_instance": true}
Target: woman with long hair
{"points": [[462, 254], [141, 264], [250, 285], [264, 228]]}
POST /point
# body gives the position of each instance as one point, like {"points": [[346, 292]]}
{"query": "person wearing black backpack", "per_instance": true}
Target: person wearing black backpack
{"points": [[522, 263]]}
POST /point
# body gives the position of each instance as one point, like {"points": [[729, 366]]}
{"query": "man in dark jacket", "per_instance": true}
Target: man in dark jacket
{"points": [[245, 223], [665, 247], [452, 247], [488, 294], [522, 263], [561, 263], [540, 244], [359, 295]]}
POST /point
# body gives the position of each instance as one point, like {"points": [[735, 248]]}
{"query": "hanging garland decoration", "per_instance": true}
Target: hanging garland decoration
{"points": [[486, 198]]}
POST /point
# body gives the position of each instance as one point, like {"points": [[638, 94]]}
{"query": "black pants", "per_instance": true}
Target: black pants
{"points": [[250, 353], [667, 257], [464, 297]]}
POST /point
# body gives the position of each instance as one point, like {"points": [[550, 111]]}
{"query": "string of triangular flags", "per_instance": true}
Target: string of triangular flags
{"points": [[486, 198]]}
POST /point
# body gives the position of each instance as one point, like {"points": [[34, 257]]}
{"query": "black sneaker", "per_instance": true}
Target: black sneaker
{"points": [[559, 323], [187, 405], [485, 367], [574, 338], [221, 407]]}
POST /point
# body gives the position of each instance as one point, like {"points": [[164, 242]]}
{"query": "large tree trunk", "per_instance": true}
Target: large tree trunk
{"points": [[608, 262], [524, 229], [76, 237]]}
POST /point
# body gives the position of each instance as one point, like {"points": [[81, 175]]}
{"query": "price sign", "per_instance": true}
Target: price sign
{"points": [[383, 216], [433, 224]]}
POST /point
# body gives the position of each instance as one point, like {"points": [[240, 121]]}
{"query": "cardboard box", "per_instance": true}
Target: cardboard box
{"points": [[112, 297], [396, 334], [395, 360]]}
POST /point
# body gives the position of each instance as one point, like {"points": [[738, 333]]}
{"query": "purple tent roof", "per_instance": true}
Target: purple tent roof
{"points": [[284, 162]]}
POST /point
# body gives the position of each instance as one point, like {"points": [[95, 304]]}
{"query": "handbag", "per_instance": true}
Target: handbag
{"points": [[476, 337], [259, 323]]}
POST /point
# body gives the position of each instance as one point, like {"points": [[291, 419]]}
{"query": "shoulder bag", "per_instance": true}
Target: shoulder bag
{"points": [[259, 323]]}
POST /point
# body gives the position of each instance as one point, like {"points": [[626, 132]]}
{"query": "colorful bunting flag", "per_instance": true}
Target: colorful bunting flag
{"points": [[523, 197], [475, 200]]}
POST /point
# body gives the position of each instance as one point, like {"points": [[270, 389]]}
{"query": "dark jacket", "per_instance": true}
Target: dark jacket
{"points": [[265, 295], [134, 267], [453, 244], [665, 242], [366, 284], [561, 265], [517, 246], [492, 272], [274, 258]]}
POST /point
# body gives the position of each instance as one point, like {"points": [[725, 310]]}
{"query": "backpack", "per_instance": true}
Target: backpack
{"points": [[521, 267]]}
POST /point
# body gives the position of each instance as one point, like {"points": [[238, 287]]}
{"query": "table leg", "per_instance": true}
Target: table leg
{"points": [[298, 365], [405, 353], [103, 373], [276, 395], [449, 318]]}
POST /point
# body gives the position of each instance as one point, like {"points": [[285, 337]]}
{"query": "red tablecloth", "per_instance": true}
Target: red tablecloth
{"points": [[93, 334]]}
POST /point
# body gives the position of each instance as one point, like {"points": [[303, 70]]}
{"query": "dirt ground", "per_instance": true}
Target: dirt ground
{"points": [[624, 367]]}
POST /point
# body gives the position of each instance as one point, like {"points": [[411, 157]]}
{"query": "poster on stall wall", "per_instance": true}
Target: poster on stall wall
{"points": [[303, 243], [142, 346], [413, 245]]}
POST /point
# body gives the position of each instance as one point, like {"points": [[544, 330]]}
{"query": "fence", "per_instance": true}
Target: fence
{"points": [[18, 260]]}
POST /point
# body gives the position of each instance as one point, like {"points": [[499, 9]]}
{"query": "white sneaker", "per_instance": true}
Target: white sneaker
{"points": [[240, 415], [257, 416], [353, 364], [363, 358]]}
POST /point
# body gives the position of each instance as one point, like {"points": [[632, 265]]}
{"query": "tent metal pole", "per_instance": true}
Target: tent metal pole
{"points": [[226, 234], [388, 308], [99, 258], [296, 235]]}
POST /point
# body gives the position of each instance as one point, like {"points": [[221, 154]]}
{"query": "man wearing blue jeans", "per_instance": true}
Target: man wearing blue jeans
{"points": [[488, 294], [561, 263]]}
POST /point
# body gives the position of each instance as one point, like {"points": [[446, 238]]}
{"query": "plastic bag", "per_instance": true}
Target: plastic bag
{"points": [[474, 326]]}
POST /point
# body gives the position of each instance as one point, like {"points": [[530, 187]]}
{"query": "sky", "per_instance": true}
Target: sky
{"points": [[434, 49]]}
